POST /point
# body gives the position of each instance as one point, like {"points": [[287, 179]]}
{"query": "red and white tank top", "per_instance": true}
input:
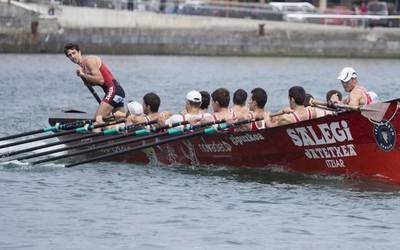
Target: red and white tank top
{"points": [[107, 76], [296, 117], [214, 115], [367, 96], [254, 125]]}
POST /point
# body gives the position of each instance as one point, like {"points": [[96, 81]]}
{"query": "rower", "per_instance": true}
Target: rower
{"points": [[297, 112], [134, 108], [358, 95], [192, 111], [205, 101], [318, 111], [257, 103], [151, 104], [333, 96], [239, 103], [220, 102]]}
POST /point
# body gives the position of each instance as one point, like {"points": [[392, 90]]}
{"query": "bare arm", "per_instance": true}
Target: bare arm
{"points": [[355, 98], [268, 120], [284, 120], [93, 75]]}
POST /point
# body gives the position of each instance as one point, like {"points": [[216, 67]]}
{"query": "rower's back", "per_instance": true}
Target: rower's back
{"points": [[220, 103], [298, 111]]}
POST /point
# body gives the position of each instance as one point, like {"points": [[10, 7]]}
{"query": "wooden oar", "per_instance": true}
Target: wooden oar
{"points": [[374, 111], [171, 131], [85, 128], [107, 132], [57, 127], [178, 137], [324, 107], [86, 136], [91, 89]]}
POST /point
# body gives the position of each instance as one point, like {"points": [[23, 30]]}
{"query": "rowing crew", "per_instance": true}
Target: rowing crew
{"points": [[94, 72], [196, 109], [196, 106]]}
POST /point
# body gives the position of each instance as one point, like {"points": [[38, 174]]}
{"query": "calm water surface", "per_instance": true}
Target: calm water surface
{"points": [[121, 206]]}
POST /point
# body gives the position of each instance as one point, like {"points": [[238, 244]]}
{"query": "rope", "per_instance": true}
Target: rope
{"points": [[390, 119]]}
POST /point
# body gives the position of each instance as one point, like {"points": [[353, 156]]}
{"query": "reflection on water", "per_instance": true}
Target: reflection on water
{"points": [[280, 176]]}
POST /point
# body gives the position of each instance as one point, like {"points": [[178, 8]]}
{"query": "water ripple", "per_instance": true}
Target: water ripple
{"points": [[126, 206]]}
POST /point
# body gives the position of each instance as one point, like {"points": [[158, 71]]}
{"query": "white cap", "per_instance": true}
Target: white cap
{"points": [[135, 108], [193, 96], [346, 74]]}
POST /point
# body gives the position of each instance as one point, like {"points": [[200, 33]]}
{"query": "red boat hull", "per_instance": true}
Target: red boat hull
{"points": [[345, 144]]}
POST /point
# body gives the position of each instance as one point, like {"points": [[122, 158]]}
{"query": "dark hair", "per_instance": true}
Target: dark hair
{"points": [[331, 93], [205, 99], [307, 100], [153, 100], [240, 97], [259, 96], [194, 104], [69, 46], [298, 94], [221, 96]]}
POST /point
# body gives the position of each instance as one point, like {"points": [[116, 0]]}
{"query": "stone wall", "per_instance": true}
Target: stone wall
{"points": [[123, 32], [14, 17]]}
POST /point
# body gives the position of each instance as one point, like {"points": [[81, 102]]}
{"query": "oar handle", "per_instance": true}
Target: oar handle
{"points": [[66, 126], [182, 136], [334, 105], [145, 136], [91, 89], [277, 113], [86, 136]]}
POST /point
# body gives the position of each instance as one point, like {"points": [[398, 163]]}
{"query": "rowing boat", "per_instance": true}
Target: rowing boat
{"points": [[343, 144]]}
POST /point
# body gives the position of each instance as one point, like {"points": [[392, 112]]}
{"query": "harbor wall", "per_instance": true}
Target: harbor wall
{"points": [[122, 32]]}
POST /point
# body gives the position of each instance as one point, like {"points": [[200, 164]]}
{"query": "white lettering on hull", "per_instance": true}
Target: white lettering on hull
{"points": [[335, 163], [331, 152], [314, 142], [215, 147], [329, 134], [246, 138]]}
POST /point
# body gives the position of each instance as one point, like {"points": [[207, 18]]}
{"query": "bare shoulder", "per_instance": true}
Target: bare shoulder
{"points": [[166, 114], [355, 97], [285, 119], [92, 60], [356, 91]]}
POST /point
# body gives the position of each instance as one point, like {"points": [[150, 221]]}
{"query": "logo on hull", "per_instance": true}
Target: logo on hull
{"points": [[385, 135]]}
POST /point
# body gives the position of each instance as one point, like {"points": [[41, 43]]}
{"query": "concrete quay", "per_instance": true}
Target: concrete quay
{"points": [[26, 28]]}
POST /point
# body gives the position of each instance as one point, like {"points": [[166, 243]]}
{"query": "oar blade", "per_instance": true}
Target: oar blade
{"points": [[375, 111]]}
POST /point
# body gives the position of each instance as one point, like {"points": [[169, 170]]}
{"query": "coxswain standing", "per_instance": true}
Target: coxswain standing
{"points": [[95, 73]]}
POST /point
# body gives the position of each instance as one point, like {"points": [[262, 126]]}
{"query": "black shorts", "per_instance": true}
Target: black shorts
{"points": [[114, 95]]}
